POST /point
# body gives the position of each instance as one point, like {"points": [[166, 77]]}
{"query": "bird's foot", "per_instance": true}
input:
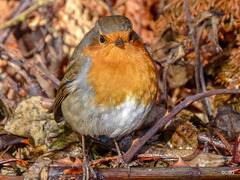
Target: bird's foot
{"points": [[86, 168], [119, 162]]}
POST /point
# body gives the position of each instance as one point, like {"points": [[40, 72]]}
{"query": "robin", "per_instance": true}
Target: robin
{"points": [[110, 83]]}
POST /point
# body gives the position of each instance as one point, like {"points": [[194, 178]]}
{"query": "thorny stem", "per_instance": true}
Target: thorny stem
{"points": [[161, 122]]}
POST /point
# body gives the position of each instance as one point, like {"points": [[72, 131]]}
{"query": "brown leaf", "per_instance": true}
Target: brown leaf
{"points": [[215, 20], [7, 140], [65, 160], [214, 17], [206, 15], [73, 171], [181, 163], [77, 162]]}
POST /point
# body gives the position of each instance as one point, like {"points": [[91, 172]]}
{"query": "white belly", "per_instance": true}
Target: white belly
{"points": [[114, 121]]}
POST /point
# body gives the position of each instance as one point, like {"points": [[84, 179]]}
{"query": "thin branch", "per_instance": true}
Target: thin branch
{"points": [[228, 146], [199, 78], [46, 75], [40, 46], [22, 6], [165, 70], [189, 20], [215, 142], [161, 122], [22, 16], [121, 4], [162, 157], [110, 7], [140, 18], [106, 7], [33, 87], [206, 106]]}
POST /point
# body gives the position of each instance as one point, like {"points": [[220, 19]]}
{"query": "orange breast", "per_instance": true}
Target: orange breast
{"points": [[119, 73]]}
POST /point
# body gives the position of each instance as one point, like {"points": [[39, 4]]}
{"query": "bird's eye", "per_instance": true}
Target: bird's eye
{"points": [[102, 39], [130, 37]]}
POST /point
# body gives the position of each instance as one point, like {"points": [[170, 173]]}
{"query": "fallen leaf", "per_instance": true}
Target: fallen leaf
{"points": [[181, 163]]}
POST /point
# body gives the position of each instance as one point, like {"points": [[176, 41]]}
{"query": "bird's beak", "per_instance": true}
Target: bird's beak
{"points": [[119, 43]]}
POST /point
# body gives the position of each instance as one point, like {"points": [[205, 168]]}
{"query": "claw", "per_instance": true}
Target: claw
{"points": [[120, 161], [86, 168]]}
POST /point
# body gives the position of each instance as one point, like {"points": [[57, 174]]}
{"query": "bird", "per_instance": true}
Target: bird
{"points": [[110, 83]]}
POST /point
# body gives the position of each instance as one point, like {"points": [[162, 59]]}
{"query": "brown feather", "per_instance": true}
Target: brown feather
{"points": [[73, 69]]}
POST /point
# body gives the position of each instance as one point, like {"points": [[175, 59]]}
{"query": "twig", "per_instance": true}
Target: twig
{"points": [[33, 87], [228, 147], [14, 63], [236, 154], [216, 149], [22, 16], [165, 92], [197, 63], [11, 160], [189, 19], [143, 157], [22, 6], [50, 78], [161, 87], [161, 122], [199, 78], [110, 7], [159, 156], [217, 143], [5, 151], [107, 159], [39, 47], [122, 3], [165, 69], [207, 107], [106, 7], [140, 18]]}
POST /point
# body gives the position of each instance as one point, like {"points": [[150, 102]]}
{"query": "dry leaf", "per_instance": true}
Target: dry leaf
{"points": [[181, 163]]}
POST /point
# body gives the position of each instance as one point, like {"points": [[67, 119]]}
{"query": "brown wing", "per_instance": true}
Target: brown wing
{"points": [[62, 93], [73, 68]]}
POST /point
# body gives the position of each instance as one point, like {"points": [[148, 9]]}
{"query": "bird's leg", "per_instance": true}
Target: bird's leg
{"points": [[85, 162], [85, 165], [120, 158]]}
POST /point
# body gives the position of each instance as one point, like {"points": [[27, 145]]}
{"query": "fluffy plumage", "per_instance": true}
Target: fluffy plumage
{"points": [[107, 89]]}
